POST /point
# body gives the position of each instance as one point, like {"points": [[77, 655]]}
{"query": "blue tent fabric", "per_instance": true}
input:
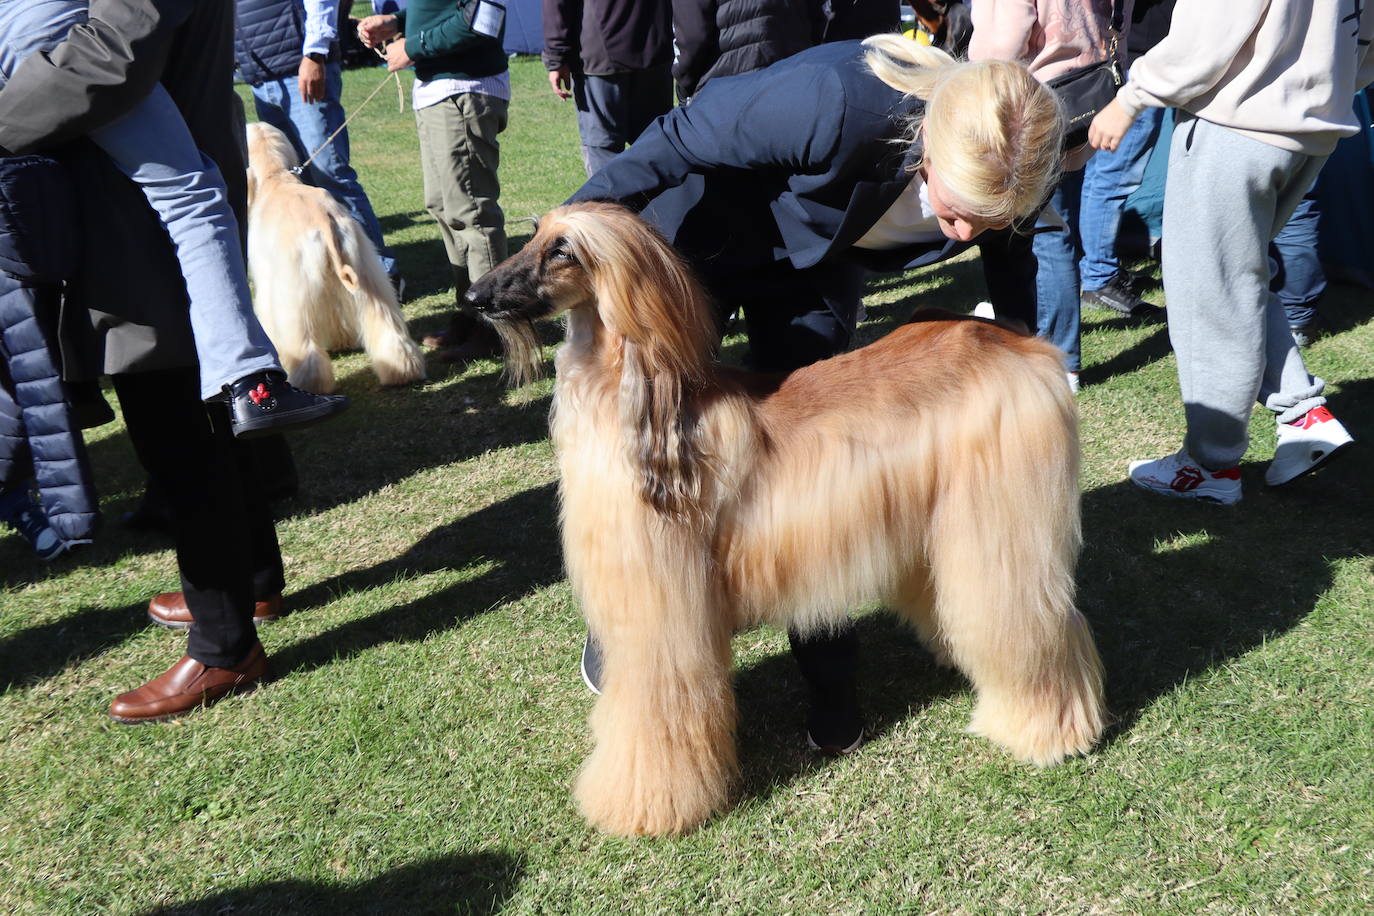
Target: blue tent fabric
{"points": [[524, 27]]}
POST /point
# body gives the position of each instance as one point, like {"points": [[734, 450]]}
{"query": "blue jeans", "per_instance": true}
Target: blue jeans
{"points": [[307, 124], [1108, 179], [154, 147], [1056, 274], [1298, 277]]}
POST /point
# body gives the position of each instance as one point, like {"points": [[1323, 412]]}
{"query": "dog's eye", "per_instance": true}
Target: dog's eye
{"points": [[560, 252]]}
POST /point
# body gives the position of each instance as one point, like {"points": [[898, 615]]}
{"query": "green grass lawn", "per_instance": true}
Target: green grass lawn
{"points": [[417, 754]]}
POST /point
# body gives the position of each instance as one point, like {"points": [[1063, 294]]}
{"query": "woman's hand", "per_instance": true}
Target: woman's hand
{"points": [[373, 30], [1110, 125]]}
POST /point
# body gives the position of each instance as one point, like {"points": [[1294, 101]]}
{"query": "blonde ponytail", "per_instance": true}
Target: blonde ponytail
{"points": [[993, 132]]}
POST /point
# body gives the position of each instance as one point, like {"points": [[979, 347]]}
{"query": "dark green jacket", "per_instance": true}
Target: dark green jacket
{"points": [[442, 43]]}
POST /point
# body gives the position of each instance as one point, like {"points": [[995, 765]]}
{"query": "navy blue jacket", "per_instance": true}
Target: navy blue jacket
{"points": [[796, 161], [268, 38], [38, 252]]}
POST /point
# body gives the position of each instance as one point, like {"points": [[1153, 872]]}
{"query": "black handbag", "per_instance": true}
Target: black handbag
{"points": [[1086, 91]]}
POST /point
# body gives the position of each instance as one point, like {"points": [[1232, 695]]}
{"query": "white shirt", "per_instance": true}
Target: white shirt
{"points": [[431, 92], [910, 220], [321, 26]]}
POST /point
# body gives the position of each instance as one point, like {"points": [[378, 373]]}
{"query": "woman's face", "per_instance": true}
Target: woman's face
{"points": [[955, 221]]}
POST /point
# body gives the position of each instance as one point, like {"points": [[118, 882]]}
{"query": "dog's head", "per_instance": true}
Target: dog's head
{"points": [[548, 276], [269, 154], [602, 261]]}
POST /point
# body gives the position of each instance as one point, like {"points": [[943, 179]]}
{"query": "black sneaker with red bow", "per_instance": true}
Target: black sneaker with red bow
{"points": [[265, 403]]}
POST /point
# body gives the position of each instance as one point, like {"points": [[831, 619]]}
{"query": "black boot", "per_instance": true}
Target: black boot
{"points": [[264, 403], [828, 661]]}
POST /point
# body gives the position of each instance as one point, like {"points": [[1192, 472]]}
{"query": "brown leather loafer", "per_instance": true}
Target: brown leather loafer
{"points": [[169, 610], [188, 685]]}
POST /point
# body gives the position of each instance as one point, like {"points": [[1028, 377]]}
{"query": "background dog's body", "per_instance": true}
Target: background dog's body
{"points": [[935, 470], [318, 283]]}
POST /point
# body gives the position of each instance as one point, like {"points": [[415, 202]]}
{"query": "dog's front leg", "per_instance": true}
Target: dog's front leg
{"points": [[664, 726]]}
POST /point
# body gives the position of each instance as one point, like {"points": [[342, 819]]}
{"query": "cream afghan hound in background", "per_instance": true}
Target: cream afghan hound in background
{"points": [[935, 470], [317, 282]]}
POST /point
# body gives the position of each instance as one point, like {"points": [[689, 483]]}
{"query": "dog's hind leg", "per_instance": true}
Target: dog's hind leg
{"points": [[395, 355], [664, 725], [1002, 549]]}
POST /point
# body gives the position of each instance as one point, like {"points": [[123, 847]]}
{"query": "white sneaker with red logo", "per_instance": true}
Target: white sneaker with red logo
{"points": [[1305, 445], [1180, 477]]}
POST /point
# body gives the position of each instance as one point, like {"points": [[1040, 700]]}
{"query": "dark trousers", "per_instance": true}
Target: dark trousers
{"points": [[794, 318], [613, 110], [226, 541]]}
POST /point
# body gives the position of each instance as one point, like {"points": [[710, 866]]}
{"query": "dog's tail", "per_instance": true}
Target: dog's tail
{"points": [[379, 325]]}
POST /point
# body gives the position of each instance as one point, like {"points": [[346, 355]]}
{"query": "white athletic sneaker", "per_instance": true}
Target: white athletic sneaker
{"points": [[1073, 381], [1305, 444], [1179, 476]]}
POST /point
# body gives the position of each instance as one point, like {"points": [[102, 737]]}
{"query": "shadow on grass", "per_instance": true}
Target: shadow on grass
{"points": [[42, 651], [503, 533], [477, 884], [897, 678], [517, 535]]}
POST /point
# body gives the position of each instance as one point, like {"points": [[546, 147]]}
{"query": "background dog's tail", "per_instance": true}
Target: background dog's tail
{"points": [[1002, 550], [378, 324]]}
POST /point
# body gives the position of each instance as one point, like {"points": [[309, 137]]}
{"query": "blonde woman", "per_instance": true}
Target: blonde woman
{"points": [[783, 185]]}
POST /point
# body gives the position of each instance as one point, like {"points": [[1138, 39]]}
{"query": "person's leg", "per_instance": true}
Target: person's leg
{"points": [[215, 517], [1108, 179], [795, 318], [1056, 276], [330, 169], [460, 156], [602, 108], [474, 194], [433, 124], [1226, 198], [153, 146], [1299, 280], [271, 102]]}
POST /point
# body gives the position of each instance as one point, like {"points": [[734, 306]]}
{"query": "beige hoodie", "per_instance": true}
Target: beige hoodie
{"points": [[1281, 71]]}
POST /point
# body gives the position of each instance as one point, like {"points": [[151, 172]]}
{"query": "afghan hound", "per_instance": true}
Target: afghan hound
{"points": [[935, 470], [318, 284]]}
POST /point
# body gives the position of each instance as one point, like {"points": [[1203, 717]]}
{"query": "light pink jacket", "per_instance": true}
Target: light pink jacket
{"points": [[1051, 37]]}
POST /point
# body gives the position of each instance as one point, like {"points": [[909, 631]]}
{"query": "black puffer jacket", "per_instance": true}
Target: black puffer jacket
{"points": [[726, 37], [38, 252], [605, 37]]}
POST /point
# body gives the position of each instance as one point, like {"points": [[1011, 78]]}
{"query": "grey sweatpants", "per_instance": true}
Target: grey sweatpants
{"points": [[1226, 198]]}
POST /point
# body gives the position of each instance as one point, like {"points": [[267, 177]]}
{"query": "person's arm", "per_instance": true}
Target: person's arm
{"points": [[1002, 29], [697, 40], [101, 70], [1204, 42], [562, 34], [795, 122], [451, 34], [320, 31]]}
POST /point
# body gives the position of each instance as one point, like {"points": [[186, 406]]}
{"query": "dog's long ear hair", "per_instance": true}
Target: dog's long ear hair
{"points": [[663, 324]]}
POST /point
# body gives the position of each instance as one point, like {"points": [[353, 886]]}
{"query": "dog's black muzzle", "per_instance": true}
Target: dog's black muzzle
{"points": [[501, 296]]}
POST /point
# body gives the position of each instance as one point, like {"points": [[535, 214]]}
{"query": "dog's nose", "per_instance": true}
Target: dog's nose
{"points": [[474, 298]]}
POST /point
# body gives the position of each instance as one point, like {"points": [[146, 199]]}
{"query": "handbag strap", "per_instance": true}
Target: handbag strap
{"points": [[1117, 25]]}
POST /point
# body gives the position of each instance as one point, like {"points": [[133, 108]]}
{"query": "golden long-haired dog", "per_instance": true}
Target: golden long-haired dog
{"points": [[317, 282], [935, 470]]}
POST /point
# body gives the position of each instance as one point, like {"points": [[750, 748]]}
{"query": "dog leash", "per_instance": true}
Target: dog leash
{"points": [[400, 99]]}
